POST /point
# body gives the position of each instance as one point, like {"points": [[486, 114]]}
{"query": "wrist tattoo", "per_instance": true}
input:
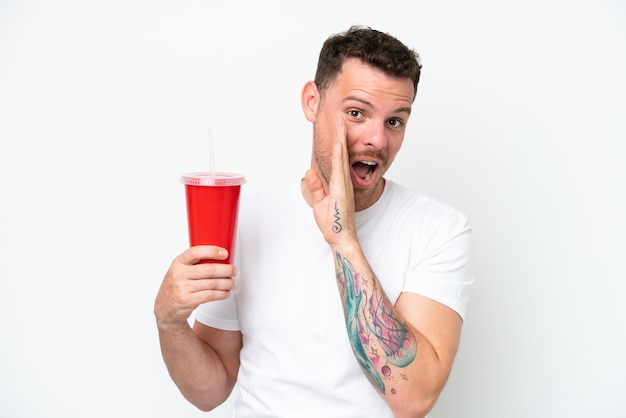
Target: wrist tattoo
{"points": [[337, 225]]}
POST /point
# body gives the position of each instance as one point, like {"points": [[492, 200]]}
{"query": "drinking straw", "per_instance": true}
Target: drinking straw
{"points": [[211, 153]]}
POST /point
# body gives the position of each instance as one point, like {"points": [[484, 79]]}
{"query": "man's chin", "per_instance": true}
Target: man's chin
{"points": [[366, 197]]}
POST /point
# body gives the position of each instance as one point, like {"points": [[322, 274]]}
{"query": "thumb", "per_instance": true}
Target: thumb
{"points": [[315, 185]]}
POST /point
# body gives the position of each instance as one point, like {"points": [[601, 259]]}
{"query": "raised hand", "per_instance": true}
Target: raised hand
{"points": [[334, 209]]}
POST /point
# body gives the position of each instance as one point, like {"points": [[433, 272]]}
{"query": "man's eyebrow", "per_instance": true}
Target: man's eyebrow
{"points": [[357, 99], [406, 109], [403, 109]]}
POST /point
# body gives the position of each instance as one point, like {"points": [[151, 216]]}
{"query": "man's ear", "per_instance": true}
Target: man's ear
{"points": [[310, 100]]}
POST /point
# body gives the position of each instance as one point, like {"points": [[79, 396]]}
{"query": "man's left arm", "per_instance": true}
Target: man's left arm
{"points": [[406, 350]]}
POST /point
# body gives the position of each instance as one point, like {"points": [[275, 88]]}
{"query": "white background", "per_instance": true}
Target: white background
{"points": [[519, 122]]}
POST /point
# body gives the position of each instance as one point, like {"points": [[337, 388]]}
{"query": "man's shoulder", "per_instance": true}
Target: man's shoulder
{"points": [[416, 202]]}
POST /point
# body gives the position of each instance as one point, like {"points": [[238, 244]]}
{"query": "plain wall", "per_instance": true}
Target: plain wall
{"points": [[519, 122]]}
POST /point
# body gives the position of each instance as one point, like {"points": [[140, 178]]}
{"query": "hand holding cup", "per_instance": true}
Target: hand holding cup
{"points": [[196, 276]]}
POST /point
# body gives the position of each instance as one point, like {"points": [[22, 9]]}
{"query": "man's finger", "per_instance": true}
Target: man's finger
{"points": [[315, 185], [342, 182], [210, 270], [341, 163], [193, 255]]}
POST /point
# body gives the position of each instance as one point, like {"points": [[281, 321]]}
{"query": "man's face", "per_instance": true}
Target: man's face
{"points": [[375, 108]]}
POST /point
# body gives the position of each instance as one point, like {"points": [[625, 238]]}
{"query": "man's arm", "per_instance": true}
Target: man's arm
{"points": [[406, 350], [203, 362]]}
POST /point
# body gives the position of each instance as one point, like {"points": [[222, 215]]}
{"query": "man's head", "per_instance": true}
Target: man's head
{"points": [[372, 47], [368, 80]]}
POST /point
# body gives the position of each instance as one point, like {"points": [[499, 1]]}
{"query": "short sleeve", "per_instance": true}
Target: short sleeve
{"points": [[221, 314], [442, 270]]}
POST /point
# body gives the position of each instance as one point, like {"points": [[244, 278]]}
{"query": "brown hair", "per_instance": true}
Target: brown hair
{"points": [[373, 47]]}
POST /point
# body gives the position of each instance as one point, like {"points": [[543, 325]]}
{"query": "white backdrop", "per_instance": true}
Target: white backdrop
{"points": [[519, 122]]}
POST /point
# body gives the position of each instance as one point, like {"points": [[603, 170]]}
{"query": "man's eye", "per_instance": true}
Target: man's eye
{"points": [[354, 113], [396, 123]]}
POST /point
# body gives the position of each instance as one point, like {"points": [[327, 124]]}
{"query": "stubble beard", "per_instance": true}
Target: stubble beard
{"points": [[362, 196]]}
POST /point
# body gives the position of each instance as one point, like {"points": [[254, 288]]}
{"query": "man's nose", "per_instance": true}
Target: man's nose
{"points": [[376, 137]]}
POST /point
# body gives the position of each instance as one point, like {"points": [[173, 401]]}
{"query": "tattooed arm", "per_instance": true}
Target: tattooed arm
{"points": [[406, 350]]}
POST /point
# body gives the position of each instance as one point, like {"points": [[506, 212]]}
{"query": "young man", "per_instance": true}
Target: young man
{"points": [[350, 288]]}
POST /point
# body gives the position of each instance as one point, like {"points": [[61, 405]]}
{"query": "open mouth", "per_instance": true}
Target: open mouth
{"points": [[364, 169]]}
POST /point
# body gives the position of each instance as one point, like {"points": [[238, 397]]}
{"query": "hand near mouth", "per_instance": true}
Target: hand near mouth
{"points": [[334, 211]]}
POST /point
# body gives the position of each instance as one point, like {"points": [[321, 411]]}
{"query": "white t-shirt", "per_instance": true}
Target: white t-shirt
{"points": [[296, 358]]}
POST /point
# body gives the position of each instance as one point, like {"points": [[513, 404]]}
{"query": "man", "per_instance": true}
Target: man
{"points": [[380, 338]]}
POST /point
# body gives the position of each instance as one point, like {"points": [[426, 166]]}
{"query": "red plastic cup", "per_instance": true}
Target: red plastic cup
{"points": [[213, 209]]}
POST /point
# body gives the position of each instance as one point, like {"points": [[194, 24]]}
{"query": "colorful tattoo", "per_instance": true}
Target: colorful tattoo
{"points": [[396, 339], [370, 323], [352, 297]]}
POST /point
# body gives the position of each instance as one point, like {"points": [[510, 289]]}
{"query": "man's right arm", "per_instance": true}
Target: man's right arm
{"points": [[203, 361]]}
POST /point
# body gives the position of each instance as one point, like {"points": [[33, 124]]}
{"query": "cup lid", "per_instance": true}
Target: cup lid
{"points": [[210, 179]]}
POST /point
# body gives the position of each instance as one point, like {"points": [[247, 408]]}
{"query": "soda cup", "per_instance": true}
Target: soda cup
{"points": [[213, 209]]}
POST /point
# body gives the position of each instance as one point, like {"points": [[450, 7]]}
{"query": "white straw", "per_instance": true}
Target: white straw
{"points": [[211, 153]]}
